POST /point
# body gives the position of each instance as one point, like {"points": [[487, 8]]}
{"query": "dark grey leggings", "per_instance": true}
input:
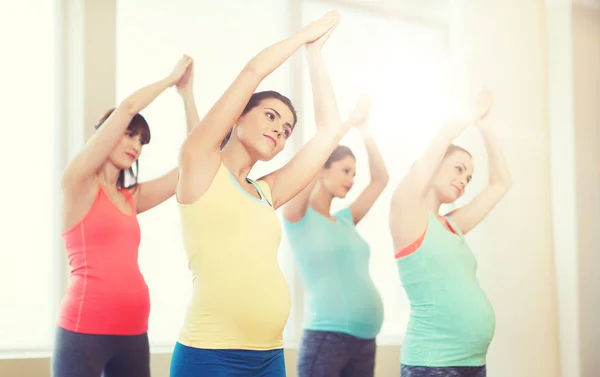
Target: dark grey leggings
{"points": [[414, 371], [90, 355], [334, 354]]}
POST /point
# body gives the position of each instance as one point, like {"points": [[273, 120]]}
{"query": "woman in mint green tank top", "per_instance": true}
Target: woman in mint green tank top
{"points": [[345, 311], [451, 322]]}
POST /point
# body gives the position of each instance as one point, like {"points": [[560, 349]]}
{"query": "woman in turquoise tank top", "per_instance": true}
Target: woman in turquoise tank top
{"points": [[452, 321], [345, 311]]}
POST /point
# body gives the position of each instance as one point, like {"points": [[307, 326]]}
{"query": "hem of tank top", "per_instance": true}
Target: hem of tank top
{"points": [[212, 346], [110, 333]]}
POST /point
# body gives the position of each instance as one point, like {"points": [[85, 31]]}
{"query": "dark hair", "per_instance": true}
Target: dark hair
{"points": [[256, 99], [340, 152], [137, 126], [453, 148]]}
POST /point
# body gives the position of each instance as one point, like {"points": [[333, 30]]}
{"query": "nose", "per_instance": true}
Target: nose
{"points": [[277, 130], [137, 147]]}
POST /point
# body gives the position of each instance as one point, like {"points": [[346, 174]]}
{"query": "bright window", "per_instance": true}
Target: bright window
{"points": [[402, 66], [221, 36], [28, 150]]}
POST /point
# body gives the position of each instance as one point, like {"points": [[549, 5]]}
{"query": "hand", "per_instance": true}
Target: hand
{"points": [[485, 100], [185, 83], [179, 70], [483, 105], [317, 44], [479, 111], [359, 117], [320, 27]]}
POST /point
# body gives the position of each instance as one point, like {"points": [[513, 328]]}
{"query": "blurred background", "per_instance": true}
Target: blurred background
{"points": [[65, 62]]}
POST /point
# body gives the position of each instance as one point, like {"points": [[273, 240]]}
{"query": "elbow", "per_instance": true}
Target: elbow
{"points": [[128, 107], [504, 184], [185, 154], [254, 70], [382, 178], [69, 177]]}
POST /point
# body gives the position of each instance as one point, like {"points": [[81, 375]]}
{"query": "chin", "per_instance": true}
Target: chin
{"points": [[341, 194], [262, 152], [265, 157]]}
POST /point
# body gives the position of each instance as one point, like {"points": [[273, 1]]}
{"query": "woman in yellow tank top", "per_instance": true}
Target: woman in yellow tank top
{"points": [[240, 301]]}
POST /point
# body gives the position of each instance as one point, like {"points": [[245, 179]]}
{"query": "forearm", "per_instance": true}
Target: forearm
{"points": [[498, 169], [141, 98], [293, 177], [377, 167], [325, 104], [427, 165], [275, 55], [192, 118]]}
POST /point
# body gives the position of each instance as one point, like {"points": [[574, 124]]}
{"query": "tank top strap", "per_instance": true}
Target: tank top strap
{"points": [[454, 225], [264, 190], [130, 198]]}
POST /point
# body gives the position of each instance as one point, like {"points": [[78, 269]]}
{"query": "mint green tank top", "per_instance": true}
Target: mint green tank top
{"points": [[333, 263], [451, 320]]}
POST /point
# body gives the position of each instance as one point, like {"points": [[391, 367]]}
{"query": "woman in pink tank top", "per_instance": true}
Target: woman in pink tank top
{"points": [[103, 318]]}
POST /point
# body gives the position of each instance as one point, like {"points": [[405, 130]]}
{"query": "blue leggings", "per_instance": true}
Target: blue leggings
{"points": [[200, 362], [334, 354], [91, 355]]}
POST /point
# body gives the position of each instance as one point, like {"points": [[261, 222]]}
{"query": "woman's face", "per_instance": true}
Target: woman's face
{"points": [[265, 129]]}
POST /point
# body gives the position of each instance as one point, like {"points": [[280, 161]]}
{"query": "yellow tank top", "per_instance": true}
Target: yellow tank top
{"points": [[240, 298]]}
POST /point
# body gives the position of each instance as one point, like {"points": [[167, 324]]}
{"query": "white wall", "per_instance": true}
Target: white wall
{"points": [[502, 45], [586, 80]]}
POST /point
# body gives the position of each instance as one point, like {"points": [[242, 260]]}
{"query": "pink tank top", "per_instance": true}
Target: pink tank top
{"points": [[107, 293]]}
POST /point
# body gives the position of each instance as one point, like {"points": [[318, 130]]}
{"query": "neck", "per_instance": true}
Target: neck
{"points": [[237, 159], [108, 175], [321, 198], [433, 202]]}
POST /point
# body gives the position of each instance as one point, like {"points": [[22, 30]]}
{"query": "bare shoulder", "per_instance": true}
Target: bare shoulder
{"points": [[78, 200], [195, 180], [408, 220]]}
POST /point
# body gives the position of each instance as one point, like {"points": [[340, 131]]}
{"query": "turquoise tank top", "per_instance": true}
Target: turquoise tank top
{"points": [[333, 263], [451, 320]]}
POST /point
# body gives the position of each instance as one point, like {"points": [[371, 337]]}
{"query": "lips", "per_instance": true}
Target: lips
{"points": [[130, 155], [271, 139], [458, 189], [347, 188]]}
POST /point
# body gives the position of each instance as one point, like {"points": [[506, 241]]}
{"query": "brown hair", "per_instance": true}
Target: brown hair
{"points": [[453, 148], [256, 99], [340, 152], [137, 126]]}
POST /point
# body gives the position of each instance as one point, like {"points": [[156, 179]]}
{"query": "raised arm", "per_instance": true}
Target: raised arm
{"points": [[415, 186], [468, 216], [152, 193], [86, 163], [293, 177], [199, 157], [326, 112], [379, 178]]}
